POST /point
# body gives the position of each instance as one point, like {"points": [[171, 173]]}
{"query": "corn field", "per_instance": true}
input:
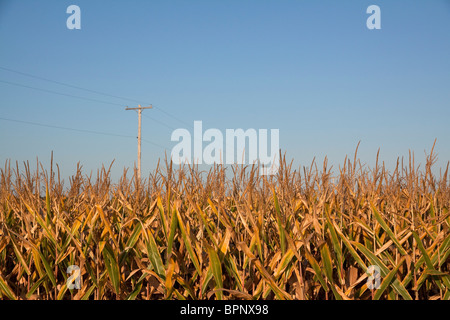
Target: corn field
{"points": [[311, 233]]}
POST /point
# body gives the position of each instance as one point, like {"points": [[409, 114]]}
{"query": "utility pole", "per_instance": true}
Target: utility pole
{"points": [[139, 109]]}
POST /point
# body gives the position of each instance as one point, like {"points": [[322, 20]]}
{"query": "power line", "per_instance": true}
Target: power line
{"points": [[93, 91], [159, 122], [80, 130], [153, 143], [68, 85], [79, 97], [66, 128], [59, 93], [173, 117]]}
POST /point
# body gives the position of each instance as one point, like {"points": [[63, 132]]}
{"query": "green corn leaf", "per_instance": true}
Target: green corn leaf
{"points": [[134, 236], [280, 225], [387, 280], [350, 248], [35, 286], [388, 231], [316, 267], [88, 293], [136, 291], [162, 216], [173, 230], [428, 261], [216, 267], [187, 243], [397, 285], [154, 256], [6, 290], [111, 266]]}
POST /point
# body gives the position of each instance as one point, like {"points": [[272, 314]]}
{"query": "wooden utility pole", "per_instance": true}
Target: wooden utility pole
{"points": [[139, 109]]}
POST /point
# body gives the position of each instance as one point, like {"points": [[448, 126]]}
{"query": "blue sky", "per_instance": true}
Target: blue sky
{"points": [[311, 69]]}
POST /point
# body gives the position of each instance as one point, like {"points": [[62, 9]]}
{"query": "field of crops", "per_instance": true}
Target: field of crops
{"points": [[309, 233]]}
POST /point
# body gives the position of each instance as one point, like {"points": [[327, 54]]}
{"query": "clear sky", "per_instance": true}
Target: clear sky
{"points": [[311, 69]]}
